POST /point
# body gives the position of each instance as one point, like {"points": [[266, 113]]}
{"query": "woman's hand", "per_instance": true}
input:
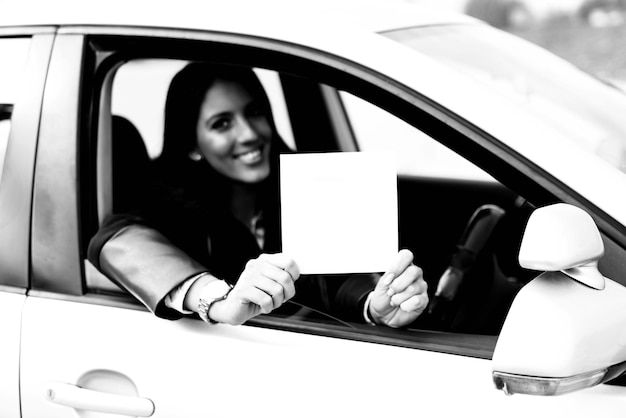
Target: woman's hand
{"points": [[401, 293], [264, 285]]}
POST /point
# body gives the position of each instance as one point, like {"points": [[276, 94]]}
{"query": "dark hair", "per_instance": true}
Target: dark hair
{"points": [[184, 99]]}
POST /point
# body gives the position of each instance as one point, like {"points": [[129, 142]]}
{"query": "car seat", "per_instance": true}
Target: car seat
{"points": [[131, 166]]}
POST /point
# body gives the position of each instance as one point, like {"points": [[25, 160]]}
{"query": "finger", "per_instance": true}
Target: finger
{"points": [[256, 277], [276, 282], [281, 277], [283, 262], [401, 262], [257, 297], [416, 303], [274, 289], [411, 274], [384, 281], [417, 288]]}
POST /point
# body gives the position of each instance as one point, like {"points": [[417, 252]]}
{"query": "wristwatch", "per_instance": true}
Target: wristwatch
{"points": [[211, 293]]}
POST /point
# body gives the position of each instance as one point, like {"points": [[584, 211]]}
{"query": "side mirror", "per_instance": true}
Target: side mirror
{"points": [[566, 329], [563, 238]]}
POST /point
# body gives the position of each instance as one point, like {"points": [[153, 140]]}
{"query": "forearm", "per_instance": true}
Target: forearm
{"points": [[191, 299], [145, 263]]}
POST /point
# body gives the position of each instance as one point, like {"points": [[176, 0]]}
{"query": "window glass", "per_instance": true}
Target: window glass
{"points": [[417, 153], [13, 53], [589, 115]]}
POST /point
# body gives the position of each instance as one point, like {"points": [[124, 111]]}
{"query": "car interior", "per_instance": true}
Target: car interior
{"points": [[443, 220]]}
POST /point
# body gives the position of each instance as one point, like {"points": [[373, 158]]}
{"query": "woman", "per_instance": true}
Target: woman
{"points": [[208, 240]]}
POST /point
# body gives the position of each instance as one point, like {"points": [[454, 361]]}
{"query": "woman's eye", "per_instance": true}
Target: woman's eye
{"points": [[220, 124]]}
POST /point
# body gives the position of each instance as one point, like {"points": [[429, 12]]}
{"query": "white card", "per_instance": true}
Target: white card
{"points": [[339, 211]]}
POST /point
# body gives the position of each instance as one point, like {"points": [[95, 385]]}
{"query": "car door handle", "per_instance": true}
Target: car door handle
{"points": [[80, 398]]}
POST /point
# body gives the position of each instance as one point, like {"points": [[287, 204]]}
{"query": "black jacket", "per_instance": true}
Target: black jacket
{"points": [[150, 254]]}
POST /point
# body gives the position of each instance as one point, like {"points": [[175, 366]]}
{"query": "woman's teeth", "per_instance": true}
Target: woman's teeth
{"points": [[250, 157]]}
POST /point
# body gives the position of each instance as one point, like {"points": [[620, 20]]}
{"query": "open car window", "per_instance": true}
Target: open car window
{"points": [[440, 192], [13, 52]]}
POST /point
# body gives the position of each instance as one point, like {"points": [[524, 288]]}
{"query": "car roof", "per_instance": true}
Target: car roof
{"points": [[250, 15]]}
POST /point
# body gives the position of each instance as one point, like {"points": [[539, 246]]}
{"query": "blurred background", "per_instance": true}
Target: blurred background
{"points": [[589, 33]]}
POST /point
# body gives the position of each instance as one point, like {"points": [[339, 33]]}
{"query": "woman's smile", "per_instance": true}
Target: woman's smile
{"points": [[251, 157]]}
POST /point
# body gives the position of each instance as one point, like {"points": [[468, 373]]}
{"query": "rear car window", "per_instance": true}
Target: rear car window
{"points": [[13, 53]]}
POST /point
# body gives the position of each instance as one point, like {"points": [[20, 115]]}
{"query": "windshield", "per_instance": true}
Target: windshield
{"points": [[589, 112]]}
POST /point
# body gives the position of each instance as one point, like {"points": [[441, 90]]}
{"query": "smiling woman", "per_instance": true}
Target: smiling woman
{"points": [[215, 204]]}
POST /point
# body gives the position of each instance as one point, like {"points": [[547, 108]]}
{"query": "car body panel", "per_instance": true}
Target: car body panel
{"points": [[227, 370], [375, 16], [55, 213], [10, 329]]}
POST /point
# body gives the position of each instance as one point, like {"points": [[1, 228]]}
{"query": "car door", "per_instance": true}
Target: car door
{"points": [[89, 349]]}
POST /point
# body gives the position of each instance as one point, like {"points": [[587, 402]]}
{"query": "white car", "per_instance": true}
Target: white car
{"points": [[477, 118]]}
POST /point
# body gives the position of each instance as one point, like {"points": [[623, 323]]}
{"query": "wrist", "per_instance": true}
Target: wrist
{"points": [[367, 310], [217, 312], [212, 293], [192, 297]]}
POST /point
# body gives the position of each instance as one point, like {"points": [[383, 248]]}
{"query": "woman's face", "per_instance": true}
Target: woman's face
{"points": [[234, 133]]}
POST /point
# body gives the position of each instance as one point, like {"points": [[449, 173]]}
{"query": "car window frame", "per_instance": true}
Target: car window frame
{"points": [[93, 50], [18, 169]]}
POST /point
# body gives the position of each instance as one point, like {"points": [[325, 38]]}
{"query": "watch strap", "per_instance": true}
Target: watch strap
{"points": [[204, 304]]}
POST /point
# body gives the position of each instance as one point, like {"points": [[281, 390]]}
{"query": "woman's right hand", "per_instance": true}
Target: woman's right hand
{"points": [[265, 284]]}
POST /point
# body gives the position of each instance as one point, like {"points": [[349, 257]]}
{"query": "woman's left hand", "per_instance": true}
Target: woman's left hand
{"points": [[401, 293]]}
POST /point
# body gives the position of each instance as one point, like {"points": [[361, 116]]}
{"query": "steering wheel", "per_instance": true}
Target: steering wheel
{"points": [[473, 293]]}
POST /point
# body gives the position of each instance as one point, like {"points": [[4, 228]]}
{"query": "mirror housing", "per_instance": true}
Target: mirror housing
{"points": [[566, 329], [562, 237]]}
